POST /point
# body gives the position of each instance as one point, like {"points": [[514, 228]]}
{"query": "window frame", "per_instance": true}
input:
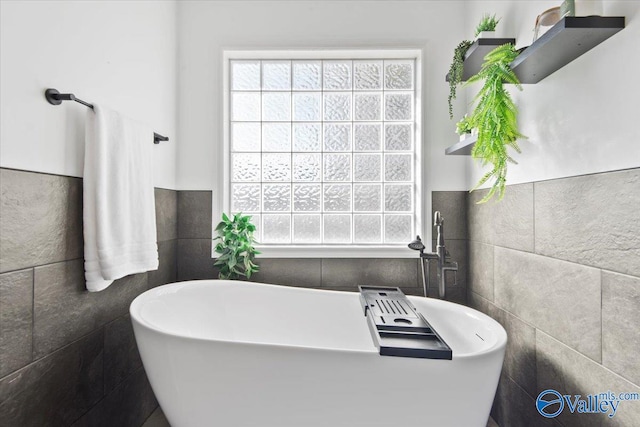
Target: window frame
{"points": [[222, 202]]}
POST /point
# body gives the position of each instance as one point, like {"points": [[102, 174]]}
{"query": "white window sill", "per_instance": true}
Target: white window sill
{"points": [[336, 252]]}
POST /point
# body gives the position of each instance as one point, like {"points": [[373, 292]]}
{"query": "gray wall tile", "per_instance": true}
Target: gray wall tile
{"points": [[508, 223], [341, 288], [40, 219], [519, 361], [419, 292], [64, 310], [166, 214], [593, 220], [513, 218], [157, 419], [401, 272], [55, 390], [194, 260], [41, 227], [194, 215], [567, 371], [481, 269], [121, 357], [304, 272], [129, 405], [16, 318], [514, 407], [479, 217], [456, 294], [520, 356], [621, 325], [478, 302], [593, 314], [167, 271], [561, 298], [453, 207], [500, 399]]}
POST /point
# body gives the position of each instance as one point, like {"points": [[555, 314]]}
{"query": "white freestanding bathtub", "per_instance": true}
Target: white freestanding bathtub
{"points": [[230, 353]]}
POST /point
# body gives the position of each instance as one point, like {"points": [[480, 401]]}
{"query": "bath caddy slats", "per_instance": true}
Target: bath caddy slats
{"points": [[397, 328]]}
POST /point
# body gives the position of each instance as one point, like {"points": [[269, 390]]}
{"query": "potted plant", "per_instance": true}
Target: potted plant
{"points": [[495, 117], [464, 128], [487, 26], [236, 247], [456, 70]]}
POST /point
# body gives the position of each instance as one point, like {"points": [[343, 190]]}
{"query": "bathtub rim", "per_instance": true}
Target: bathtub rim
{"points": [[136, 304]]}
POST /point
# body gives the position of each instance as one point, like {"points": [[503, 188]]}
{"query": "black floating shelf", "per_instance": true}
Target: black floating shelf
{"points": [[462, 148], [565, 41], [474, 57]]}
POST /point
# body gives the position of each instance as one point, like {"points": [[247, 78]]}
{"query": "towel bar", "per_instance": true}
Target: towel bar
{"points": [[55, 98]]}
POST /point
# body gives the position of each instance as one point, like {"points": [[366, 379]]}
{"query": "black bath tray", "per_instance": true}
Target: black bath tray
{"points": [[397, 328]]}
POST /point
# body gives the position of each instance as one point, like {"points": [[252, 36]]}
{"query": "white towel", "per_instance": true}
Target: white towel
{"points": [[119, 204]]}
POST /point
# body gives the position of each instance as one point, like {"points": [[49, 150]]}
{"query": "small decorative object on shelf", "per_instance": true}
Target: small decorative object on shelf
{"points": [[568, 8], [487, 26], [546, 20], [236, 247], [588, 8]]}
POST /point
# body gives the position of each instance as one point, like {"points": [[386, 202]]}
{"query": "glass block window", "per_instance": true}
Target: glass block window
{"points": [[323, 151]]}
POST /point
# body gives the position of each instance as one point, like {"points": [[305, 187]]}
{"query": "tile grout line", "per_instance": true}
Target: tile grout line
{"points": [[493, 272], [601, 329], [57, 350], [151, 414], [33, 267], [533, 191], [608, 370], [558, 259], [545, 332], [106, 395], [104, 367], [33, 315]]}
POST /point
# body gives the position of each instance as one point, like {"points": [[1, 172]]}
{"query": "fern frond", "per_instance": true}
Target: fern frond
{"points": [[495, 116]]}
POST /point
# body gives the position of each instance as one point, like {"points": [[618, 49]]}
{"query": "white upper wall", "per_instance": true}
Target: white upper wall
{"points": [[121, 54], [583, 118], [205, 29]]}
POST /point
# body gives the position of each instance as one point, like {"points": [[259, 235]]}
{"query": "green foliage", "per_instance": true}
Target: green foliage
{"points": [[495, 116], [464, 126], [487, 23], [455, 71], [236, 247]]}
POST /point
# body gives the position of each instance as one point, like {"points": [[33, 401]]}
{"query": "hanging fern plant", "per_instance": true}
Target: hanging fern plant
{"points": [[455, 71], [495, 117]]}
